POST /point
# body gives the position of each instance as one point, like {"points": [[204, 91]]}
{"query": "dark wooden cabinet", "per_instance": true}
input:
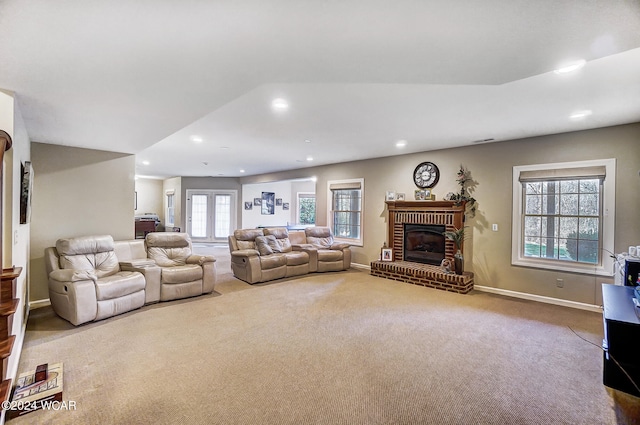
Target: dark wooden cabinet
{"points": [[143, 227], [621, 339]]}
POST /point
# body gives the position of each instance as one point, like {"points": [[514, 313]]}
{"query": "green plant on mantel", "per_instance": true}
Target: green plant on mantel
{"points": [[457, 236], [466, 184]]}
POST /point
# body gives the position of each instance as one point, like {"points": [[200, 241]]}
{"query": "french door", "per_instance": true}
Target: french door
{"points": [[211, 215]]}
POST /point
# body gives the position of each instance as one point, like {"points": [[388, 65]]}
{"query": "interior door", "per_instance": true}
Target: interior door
{"points": [[210, 215]]}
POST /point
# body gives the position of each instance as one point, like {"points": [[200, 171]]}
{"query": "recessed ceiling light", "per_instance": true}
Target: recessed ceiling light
{"points": [[145, 162], [205, 163], [401, 143], [580, 114], [242, 171], [309, 158], [574, 66], [196, 139], [280, 104], [224, 147], [307, 141]]}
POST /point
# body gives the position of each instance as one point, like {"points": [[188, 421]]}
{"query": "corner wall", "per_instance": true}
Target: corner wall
{"points": [[77, 192], [16, 243]]}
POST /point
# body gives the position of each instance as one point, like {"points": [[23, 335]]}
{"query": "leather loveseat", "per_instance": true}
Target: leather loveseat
{"points": [[94, 277], [260, 255]]}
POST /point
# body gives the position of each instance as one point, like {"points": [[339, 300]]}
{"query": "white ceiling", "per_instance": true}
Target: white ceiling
{"points": [[145, 76]]}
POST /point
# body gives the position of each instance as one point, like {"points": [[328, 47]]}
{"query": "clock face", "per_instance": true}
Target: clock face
{"points": [[426, 175]]}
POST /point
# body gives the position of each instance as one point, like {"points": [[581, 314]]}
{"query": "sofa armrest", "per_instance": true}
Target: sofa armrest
{"points": [[151, 273], [339, 246], [312, 251], [72, 275], [208, 277], [302, 246], [245, 253], [143, 262], [73, 298], [200, 259]]}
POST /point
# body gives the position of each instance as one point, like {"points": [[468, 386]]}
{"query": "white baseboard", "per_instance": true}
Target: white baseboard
{"points": [[39, 303], [514, 294], [364, 267], [539, 298]]}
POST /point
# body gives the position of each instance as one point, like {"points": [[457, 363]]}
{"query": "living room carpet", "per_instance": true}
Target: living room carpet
{"points": [[332, 348]]}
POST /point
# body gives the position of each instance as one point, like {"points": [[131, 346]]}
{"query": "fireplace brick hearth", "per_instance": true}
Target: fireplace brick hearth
{"points": [[446, 213], [424, 275]]}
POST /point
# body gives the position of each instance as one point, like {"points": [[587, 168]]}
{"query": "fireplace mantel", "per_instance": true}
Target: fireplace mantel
{"points": [[447, 213]]}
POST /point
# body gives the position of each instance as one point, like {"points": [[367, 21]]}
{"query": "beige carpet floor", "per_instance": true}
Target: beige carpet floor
{"points": [[333, 348]]}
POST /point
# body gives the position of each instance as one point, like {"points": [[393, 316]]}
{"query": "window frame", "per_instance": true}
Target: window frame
{"points": [[299, 196], [607, 216], [171, 209], [360, 181]]}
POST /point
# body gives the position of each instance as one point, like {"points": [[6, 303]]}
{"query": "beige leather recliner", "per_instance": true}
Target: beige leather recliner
{"points": [[86, 282], [332, 256], [183, 274]]}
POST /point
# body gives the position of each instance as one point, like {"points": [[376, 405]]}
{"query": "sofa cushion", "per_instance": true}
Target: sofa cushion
{"points": [[169, 257], [119, 285], [296, 258], [272, 261], [245, 238], [84, 245], [281, 235], [182, 274], [167, 240], [264, 244], [322, 242], [88, 253], [329, 255]]}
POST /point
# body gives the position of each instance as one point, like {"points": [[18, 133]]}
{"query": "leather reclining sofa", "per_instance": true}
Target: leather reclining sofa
{"points": [[260, 255], [94, 277]]}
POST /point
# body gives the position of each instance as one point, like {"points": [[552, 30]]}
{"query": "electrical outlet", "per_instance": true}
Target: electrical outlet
{"points": [[494, 227], [560, 283]]}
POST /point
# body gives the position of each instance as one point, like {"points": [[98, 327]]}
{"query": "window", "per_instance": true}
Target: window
{"points": [[170, 210], [345, 210], [306, 208], [222, 216], [561, 216]]}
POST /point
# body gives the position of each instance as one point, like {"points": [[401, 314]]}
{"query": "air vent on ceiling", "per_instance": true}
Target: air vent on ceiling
{"points": [[484, 140]]}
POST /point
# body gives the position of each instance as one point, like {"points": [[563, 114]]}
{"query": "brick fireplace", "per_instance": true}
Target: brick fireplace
{"points": [[413, 215]]}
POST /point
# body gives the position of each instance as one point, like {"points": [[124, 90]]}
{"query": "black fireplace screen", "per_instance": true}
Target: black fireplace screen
{"points": [[424, 243]]}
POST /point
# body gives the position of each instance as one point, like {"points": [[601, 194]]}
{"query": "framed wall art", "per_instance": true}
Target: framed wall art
{"points": [[268, 203]]}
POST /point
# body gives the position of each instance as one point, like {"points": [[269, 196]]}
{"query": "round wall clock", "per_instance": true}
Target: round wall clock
{"points": [[426, 175]]}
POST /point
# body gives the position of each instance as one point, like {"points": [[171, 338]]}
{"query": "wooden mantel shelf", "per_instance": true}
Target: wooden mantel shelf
{"points": [[429, 205]]}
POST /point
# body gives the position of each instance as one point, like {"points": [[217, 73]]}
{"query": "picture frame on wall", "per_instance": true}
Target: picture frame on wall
{"points": [[257, 202], [278, 201], [386, 254], [26, 189], [248, 205], [285, 206], [268, 203]]}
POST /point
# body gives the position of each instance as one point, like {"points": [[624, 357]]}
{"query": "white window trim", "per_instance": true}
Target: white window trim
{"points": [[355, 242], [608, 220], [298, 195], [166, 197]]}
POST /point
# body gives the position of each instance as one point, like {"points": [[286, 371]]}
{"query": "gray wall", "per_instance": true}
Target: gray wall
{"points": [[491, 166], [77, 192]]}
